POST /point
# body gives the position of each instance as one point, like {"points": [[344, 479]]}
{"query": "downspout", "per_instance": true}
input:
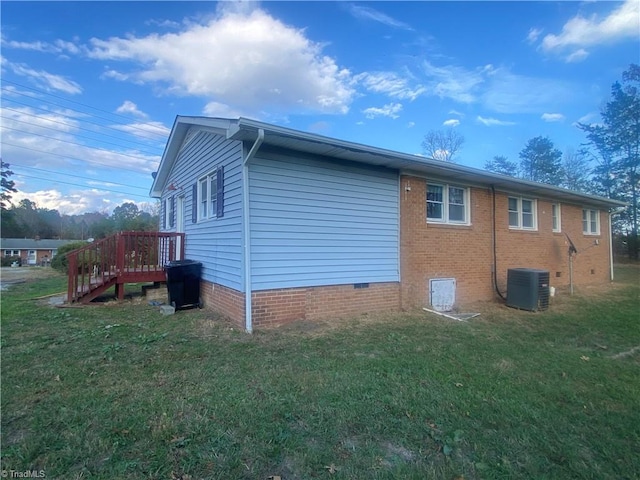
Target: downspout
{"points": [[611, 245], [612, 212], [247, 230]]}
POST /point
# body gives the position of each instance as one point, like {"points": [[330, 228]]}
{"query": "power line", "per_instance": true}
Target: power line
{"points": [[84, 186], [68, 157], [73, 143], [83, 113], [71, 125], [65, 99], [75, 176], [74, 134]]}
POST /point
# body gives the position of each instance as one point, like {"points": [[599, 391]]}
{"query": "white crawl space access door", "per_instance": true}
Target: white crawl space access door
{"points": [[442, 293]]}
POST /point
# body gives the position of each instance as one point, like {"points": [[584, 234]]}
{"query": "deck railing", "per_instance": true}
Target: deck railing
{"points": [[121, 258]]}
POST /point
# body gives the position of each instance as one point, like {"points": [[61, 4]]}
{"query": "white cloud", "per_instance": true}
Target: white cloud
{"points": [[577, 56], [246, 59], [76, 201], [588, 118], [368, 13], [507, 92], [146, 130], [59, 46], [552, 117], [45, 80], [411, 124], [452, 122], [128, 107], [493, 122], [217, 109], [621, 24], [456, 83], [389, 110], [391, 84], [533, 35], [457, 113]]}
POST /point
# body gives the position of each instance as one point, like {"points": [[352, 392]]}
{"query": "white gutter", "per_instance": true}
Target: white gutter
{"points": [[247, 230]]}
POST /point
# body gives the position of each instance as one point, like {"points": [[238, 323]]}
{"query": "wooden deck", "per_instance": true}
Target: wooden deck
{"points": [[126, 257]]}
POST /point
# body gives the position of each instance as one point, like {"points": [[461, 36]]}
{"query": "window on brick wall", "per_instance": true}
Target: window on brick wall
{"points": [[447, 204], [555, 217], [590, 222], [522, 213]]}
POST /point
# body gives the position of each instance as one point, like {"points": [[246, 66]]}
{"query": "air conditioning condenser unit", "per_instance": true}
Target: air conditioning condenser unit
{"points": [[528, 289]]}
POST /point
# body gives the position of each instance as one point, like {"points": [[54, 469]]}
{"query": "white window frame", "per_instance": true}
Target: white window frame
{"points": [[445, 219], [520, 213], [11, 253], [207, 207], [588, 217], [556, 217]]}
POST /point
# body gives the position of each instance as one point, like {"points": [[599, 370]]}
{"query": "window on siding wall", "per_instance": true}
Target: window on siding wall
{"points": [[169, 212], [522, 213], [555, 217], [208, 196], [447, 204], [590, 222]]}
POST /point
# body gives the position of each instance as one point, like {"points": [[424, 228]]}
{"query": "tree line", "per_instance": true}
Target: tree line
{"points": [[27, 220]]}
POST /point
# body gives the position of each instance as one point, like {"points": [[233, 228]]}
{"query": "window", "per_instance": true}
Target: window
{"points": [[522, 213], [447, 204], [208, 196], [555, 217], [169, 212], [590, 222], [12, 253]]}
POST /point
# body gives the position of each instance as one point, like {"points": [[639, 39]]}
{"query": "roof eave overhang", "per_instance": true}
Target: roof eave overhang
{"points": [[246, 130], [181, 127]]}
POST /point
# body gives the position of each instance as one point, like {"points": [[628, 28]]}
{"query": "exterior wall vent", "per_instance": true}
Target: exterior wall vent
{"points": [[528, 289]]}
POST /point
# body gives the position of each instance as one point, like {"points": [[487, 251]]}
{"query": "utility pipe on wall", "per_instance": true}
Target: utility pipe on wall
{"points": [[247, 230]]}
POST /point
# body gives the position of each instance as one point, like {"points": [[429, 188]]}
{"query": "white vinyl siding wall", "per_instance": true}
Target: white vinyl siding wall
{"points": [[317, 222]]}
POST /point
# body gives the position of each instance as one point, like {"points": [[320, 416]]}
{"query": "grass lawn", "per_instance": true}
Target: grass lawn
{"points": [[120, 391]]}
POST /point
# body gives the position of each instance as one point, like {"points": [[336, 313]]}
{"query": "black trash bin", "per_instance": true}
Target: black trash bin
{"points": [[183, 283]]}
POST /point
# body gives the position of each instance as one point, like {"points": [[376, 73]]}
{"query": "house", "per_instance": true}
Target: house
{"points": [[32, 251], [291, 225]]}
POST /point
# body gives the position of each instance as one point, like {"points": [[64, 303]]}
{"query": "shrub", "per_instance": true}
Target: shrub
{"points": [[7, 261], [60, 261]]}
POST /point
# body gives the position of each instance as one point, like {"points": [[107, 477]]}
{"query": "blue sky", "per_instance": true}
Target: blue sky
{"points": [[90, 90]]}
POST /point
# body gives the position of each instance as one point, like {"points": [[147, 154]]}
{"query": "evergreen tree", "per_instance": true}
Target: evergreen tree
{"points": [[541, 162], [500, 164], [8, 186], [617, 141]]}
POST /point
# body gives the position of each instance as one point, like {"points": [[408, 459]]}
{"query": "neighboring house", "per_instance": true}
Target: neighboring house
{"points": [[32, 251], [313, 227]]}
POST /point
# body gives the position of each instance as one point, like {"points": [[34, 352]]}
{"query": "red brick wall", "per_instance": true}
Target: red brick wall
{"points": [[277, 307], [465, 252], [227, 301]]}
